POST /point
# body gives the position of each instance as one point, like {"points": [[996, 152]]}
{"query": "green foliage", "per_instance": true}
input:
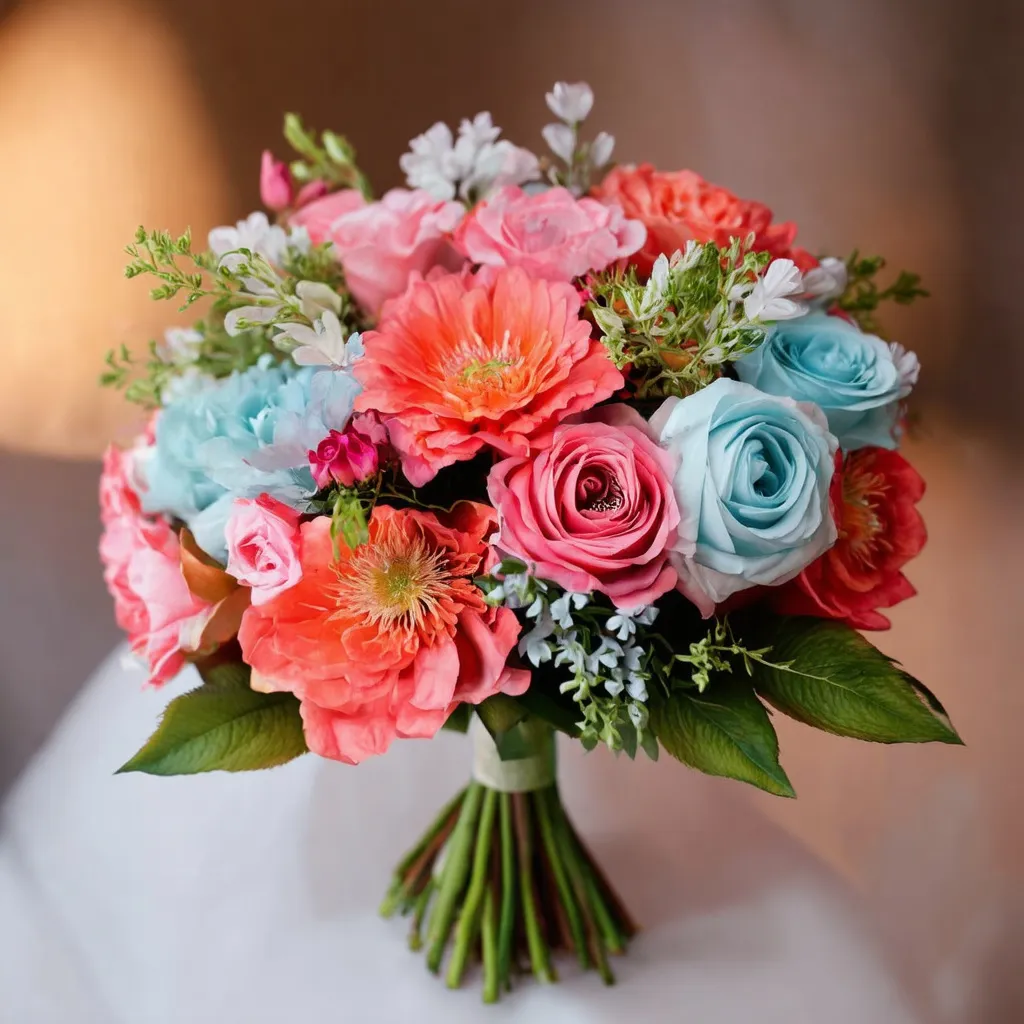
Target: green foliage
{"points": [[678, 329], [223, 725], [725, 731], [830, 677], [502, 716], [349, 519], [158, 253], [331, 159], [458, 720], [862, 295]]}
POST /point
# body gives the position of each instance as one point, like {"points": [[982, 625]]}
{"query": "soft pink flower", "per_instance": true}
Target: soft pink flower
{"points": [[596, 511], [142, 569], [276, 189], [382, 244], [551, 235], [262, 536], [352, 455]]}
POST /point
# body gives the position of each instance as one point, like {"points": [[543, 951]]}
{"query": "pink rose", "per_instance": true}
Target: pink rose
{"points": [[350, 456], [380, 245], [595, 511], [551, 235], [142, 569], [262, 536]]}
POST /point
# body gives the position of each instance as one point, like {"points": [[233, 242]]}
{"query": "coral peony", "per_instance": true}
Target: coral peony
{"points": [[382, 244], [550, 234], [596, 511], [874, 496], [384, 641], [142, 570], [677, 206], [459, 363]]}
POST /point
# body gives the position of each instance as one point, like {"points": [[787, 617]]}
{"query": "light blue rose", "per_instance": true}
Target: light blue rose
{"points": [[752, 487], [241, 436], [856, 378]]}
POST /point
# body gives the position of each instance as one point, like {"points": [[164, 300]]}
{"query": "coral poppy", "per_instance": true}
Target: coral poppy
{"points": [[460, 362], [385, 640]]}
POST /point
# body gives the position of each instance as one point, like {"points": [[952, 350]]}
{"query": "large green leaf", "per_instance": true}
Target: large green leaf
{"points": [[223, 725], [723, 731], [841, 683]]}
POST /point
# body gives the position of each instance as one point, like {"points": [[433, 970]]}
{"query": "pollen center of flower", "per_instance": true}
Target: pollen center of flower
{"points": [[395, 587], [861, 527], [479, 370]]}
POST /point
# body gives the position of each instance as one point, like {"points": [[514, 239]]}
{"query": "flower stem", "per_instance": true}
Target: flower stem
{"points": [[540, 958], [469, 919], [453, 877], [506, 927]]}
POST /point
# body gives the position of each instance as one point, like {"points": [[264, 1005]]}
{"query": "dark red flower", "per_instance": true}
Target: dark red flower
{"points": [[874, 496]]}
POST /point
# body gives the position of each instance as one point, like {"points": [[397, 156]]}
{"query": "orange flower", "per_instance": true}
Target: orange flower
{"points": [[676, 206], [383, 642], [460, 362]]}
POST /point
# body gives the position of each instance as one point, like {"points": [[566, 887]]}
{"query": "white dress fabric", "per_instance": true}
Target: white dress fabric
{"points": [[252, 897]]}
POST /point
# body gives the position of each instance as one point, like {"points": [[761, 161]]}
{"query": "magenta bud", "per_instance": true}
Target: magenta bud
{"points": [[275, 183]]}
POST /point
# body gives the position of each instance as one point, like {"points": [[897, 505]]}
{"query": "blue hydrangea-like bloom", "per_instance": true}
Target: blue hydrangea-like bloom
{"points": [[241, 436], [856, 379]]}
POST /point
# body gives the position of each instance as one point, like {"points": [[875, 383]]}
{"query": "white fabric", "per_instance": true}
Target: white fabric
{"points": [[252, 898]]}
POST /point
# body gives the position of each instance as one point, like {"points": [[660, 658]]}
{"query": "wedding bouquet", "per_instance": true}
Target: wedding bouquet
{"points": [[533, 445]]}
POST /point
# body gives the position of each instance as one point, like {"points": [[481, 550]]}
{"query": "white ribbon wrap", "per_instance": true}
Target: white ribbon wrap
{"points": [[524, 774]]}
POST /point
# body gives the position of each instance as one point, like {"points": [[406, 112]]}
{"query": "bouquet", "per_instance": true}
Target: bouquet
{"points": [[534, 445]]}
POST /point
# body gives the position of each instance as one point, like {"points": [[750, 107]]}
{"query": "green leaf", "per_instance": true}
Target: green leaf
{"points": [[500, 715], [563, 715], [837, 681], [223, 725], [458, 720], [723, 731]]}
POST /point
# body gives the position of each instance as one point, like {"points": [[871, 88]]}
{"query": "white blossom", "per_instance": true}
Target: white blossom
{"points": [[908, 369], [477, 161], [561, 140], [535, 645], [255, 233], [768, 300], [256, 314], [570, 102], [827, 280], [601, 149], [315, 297], [323, 344], [561, 609], [179, 346]]}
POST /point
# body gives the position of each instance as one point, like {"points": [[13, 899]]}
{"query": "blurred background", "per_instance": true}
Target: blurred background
{"points": [[892, 126]]}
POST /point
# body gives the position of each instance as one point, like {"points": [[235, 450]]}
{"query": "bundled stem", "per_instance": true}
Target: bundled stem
{"points": [[503, 879]]}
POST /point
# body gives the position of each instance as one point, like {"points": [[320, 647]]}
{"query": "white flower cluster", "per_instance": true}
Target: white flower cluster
{"points": [[471, 165], [571, 103]]}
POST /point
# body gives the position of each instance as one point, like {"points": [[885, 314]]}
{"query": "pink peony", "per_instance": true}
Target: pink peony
{"points": [[352, 455], [382, 244], [262, 536], [551, 235], [142, 569], [596, 511]]}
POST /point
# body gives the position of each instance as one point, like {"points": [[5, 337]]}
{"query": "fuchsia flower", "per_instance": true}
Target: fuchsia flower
{"points": [[352, 455], [381, 245], [142, 569], [276, 189], [262, 537], [551, 235], [596, 511]]}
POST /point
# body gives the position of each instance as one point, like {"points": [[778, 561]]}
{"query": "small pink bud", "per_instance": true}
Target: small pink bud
{"points": [[351, 456], [275, 183], [315, 189]]}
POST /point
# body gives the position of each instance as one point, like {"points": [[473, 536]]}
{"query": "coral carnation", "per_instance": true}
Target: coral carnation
{"points": [[874, 496], [677, 206], [385, 640], [461, 362]]}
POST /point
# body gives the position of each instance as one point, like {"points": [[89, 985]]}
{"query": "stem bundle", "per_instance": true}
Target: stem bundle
{"points": [[503, 879]]}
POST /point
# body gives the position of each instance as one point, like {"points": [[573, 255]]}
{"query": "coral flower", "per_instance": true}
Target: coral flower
{"points": [[384, 641], [460, 362], [874, 497]]}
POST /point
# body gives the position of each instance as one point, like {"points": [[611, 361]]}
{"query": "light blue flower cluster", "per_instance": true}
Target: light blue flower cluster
{"points": [[241, 436], [856, 379]]}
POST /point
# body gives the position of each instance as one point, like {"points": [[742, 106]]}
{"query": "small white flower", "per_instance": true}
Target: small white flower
{"points": [[561, 613], [689, 257], [255, 233], [601, 149], [179, 346], [637, 687], [908, 369], [645, 616], [536, 608], [315, 297], [535, 645], [561, 140], [614, 687], [608, 320], [622, 625], [637, 715], [323, 344], [570, 102], [264, 313], [768, 298], [827, 280]]}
